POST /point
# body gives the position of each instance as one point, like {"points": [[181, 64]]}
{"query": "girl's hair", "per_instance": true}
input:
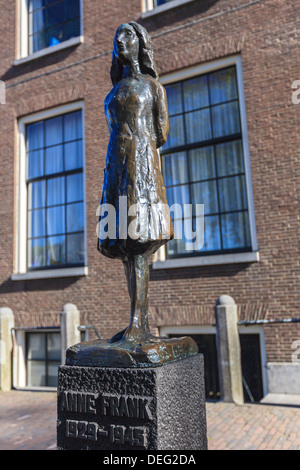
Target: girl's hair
{"points": [[146, 60]]}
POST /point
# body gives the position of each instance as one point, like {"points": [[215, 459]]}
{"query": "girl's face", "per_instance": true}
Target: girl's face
{"points": [[126, 46]]}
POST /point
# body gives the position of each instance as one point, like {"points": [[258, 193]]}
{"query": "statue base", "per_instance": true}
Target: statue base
{"points": [[152, 408], [149, 351]]}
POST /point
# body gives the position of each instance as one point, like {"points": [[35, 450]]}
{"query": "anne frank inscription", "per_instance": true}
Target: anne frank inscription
{"points": [[111, 418]]}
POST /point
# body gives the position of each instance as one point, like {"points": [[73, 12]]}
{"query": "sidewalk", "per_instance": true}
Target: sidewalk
{"points": [[28, 422]]}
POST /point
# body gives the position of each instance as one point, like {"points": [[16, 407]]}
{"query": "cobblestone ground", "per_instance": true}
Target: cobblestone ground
{"points": [[28, 422]]}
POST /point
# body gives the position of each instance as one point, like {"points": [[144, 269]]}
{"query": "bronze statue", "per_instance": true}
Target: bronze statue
{"points": [[137, 117]]}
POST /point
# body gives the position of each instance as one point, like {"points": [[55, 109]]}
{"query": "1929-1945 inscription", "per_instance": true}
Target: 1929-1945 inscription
{"points": [[104, 405]]}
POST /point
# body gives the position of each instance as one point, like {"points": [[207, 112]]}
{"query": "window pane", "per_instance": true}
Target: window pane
{"points": [[212, 238], [36, 223], [230, 158], [36, 253], [74, 187], [223, 86], [56, 191], [75, 217], [226, 120], [179, 195], [174, 99], [175, 168], [56, 220], [75, 248], [52, 378], [35, 136], [72, 29], [53, 346], [73, 126], [56, 251], [54, 159], [202, 163], [34, 4], [232, 192], [35, 164], [206, 193], [54, 36], [36, 344], [36, 374], [36, 21], [54, 131], [37, 42], [195, 92], [176, 133], [72, 9], [73, 155], [36, 195], [54, 14], [235, 230], [198, 126]]}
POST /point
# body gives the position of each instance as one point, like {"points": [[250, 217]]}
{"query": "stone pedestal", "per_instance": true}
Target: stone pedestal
{"points": [[155, 408]]}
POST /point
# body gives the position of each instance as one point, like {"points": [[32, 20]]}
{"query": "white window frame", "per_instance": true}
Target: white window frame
{"points": [[22, 49], [159, 260], [20, 266], [209, 329], [19, 370], [149, 8]]}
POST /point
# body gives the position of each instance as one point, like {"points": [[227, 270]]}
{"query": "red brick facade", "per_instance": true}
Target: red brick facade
{"points": [[264, 34]]}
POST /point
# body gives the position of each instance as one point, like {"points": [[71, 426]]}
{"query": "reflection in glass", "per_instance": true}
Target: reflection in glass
{"points": [[35, 136], [74, 187], [226, 119], [205, 193], [174, 99], [232, 193], [175, 168], [230, 158], [73, 155], [56, 220], [35, 164], [36, 223], [73, 126], [198, 126], [56, 251], [54, 159], [75, 217], [36, 253], [56, 191], [54, 131], [36, 374], [36, 195], [223, 85], [179, 195], [235, 230], [75, 248], [53, 344], [202, 163], [176, 133], [195, 92], [36, 346]]}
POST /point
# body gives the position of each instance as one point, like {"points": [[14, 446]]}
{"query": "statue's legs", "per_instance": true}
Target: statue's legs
{"points": [[137, 274]]}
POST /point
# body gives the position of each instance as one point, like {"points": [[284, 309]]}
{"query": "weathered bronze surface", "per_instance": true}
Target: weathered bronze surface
{"points": [[137, 117]]}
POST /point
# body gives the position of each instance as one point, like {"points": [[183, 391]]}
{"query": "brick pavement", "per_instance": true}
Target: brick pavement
{"points": [[28, 422]]}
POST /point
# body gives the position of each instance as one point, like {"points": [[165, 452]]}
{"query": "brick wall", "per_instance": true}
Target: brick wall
{"points": [[264, 34]]}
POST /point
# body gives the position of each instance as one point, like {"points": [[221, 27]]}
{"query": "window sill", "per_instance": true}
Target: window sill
{"points": [[164, 7], [50, 274], [50, 50], [249, 257]]}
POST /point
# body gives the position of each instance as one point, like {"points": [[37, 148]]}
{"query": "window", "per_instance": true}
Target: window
{"points": [[43, 357], [153, 7], [51, 212], [47, 25], [55, 227], [203, 161]]}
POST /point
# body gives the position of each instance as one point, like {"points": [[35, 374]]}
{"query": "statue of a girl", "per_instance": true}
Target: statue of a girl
{"points": [[137, 117]]}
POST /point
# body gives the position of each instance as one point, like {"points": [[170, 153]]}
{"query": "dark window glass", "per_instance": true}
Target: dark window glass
{"points": [[55, 192], [43, 353], [203, 163], [51, 22]]}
